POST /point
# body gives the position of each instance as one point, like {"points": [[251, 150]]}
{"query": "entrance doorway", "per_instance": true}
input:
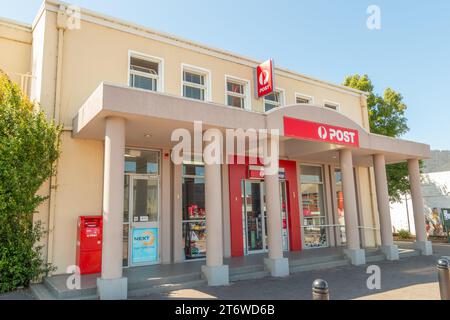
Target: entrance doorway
{"points": [[254, 216], [141, 212], [144, 224]]}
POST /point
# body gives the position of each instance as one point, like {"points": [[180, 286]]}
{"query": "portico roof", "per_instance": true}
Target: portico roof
{"points": [[152, 117]]}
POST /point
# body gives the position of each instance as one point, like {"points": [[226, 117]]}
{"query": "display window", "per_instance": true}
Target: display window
{"points": [[194, 213], [340, 206], [313, 210]]}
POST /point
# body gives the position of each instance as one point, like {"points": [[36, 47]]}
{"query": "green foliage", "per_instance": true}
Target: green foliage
{"points": [[404, 234], [29, 148], [386, 117]]}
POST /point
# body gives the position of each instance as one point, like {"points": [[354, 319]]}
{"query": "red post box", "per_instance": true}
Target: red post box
{"points": [[89, 244]]}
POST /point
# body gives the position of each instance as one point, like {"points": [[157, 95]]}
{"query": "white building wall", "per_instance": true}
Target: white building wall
{"points": [[436, 195]]}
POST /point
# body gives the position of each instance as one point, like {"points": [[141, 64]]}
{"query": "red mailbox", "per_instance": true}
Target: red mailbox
{"points": [[89, 244]]}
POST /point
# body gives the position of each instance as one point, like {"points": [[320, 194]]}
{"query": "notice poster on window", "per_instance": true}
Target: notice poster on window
{"points": [[145, 245]]}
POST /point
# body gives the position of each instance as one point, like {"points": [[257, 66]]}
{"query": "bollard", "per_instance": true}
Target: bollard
{"points": [[444, 278], [320, 290]]}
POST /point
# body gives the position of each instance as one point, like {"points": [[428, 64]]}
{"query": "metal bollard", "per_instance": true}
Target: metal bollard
{"points": [[444, 278], [320, 290]]}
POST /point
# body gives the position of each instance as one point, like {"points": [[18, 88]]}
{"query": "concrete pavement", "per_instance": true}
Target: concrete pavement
{"points": [[413, 278]]}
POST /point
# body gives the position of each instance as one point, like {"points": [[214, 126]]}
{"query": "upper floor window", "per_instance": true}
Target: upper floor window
{"points": [[145, 72], [331, 105], [237, 93], [273, 100], [195, 84], [303, 99]]}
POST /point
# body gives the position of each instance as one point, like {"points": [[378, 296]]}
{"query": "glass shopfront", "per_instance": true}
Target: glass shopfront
{"points": [[313, 211], [141, 207], [340, 206], [254, 216], [194, 214]]}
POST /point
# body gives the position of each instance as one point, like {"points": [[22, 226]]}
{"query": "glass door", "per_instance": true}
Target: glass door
{"points": [[284, 216], [314, 227], [254, 217], [144, 222]]}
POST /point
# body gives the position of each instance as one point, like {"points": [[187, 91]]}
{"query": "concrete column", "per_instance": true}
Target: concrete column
{"points": [[112, 285], [353, 251], [214, 271], [387, 241], [165, 223], [226, 213], [417, 201], [276, 263], [177, 205]]}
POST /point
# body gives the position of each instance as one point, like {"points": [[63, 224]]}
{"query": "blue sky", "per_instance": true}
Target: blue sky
{"points": [[323, 39]]}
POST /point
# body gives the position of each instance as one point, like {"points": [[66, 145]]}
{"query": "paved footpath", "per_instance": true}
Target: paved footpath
{"points": [[413, 278], [410, 278]]}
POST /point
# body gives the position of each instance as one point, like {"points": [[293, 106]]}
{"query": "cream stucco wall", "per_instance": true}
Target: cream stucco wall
{"points": [[94, 54], [97, 53], [78, 192], [15, 49]]}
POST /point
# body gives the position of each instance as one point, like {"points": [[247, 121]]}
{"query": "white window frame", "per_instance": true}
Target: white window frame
{"points": [[337, 104], [198, 70], [282, 99], [144, 56], [246, 95], [304, 96]]}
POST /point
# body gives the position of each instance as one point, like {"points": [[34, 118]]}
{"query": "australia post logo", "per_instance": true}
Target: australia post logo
{"points": [[264, 78], [320, 132]]}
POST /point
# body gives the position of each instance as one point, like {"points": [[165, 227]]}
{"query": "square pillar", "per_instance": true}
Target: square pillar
{"points": [[387, 241], [112, 285], [276, 263], [353, 251], [422, 244]]}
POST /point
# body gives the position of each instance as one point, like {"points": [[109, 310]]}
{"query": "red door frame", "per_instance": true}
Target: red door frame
{"points": [[239, 172]]}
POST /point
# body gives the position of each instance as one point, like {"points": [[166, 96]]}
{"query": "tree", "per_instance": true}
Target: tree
{"points": [[386, 117], [29, 148]]}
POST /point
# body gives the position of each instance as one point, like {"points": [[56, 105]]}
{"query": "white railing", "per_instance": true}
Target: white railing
{"points": [[23, 80]]}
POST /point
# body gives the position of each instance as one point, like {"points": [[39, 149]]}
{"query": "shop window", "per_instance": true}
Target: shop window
{"points": [[273, 100], [195, 84], [194, 214], [340, 212], [313, 211], [237, 93], [145, 73], [340, 206]]}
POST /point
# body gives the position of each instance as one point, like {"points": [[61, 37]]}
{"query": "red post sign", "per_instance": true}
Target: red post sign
{"points": [[309, 130], [264, 78]]}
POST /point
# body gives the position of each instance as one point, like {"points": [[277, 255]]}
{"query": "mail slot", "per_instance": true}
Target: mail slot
{"points": [[89, 244]]}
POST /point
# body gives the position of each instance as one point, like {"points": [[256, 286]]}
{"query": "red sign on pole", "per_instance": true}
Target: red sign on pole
{"points": [[264, 78], [309, 130]]}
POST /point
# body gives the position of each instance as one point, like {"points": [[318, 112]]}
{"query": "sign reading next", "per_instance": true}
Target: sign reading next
{"points": [[264, 78], [309, 130]]}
